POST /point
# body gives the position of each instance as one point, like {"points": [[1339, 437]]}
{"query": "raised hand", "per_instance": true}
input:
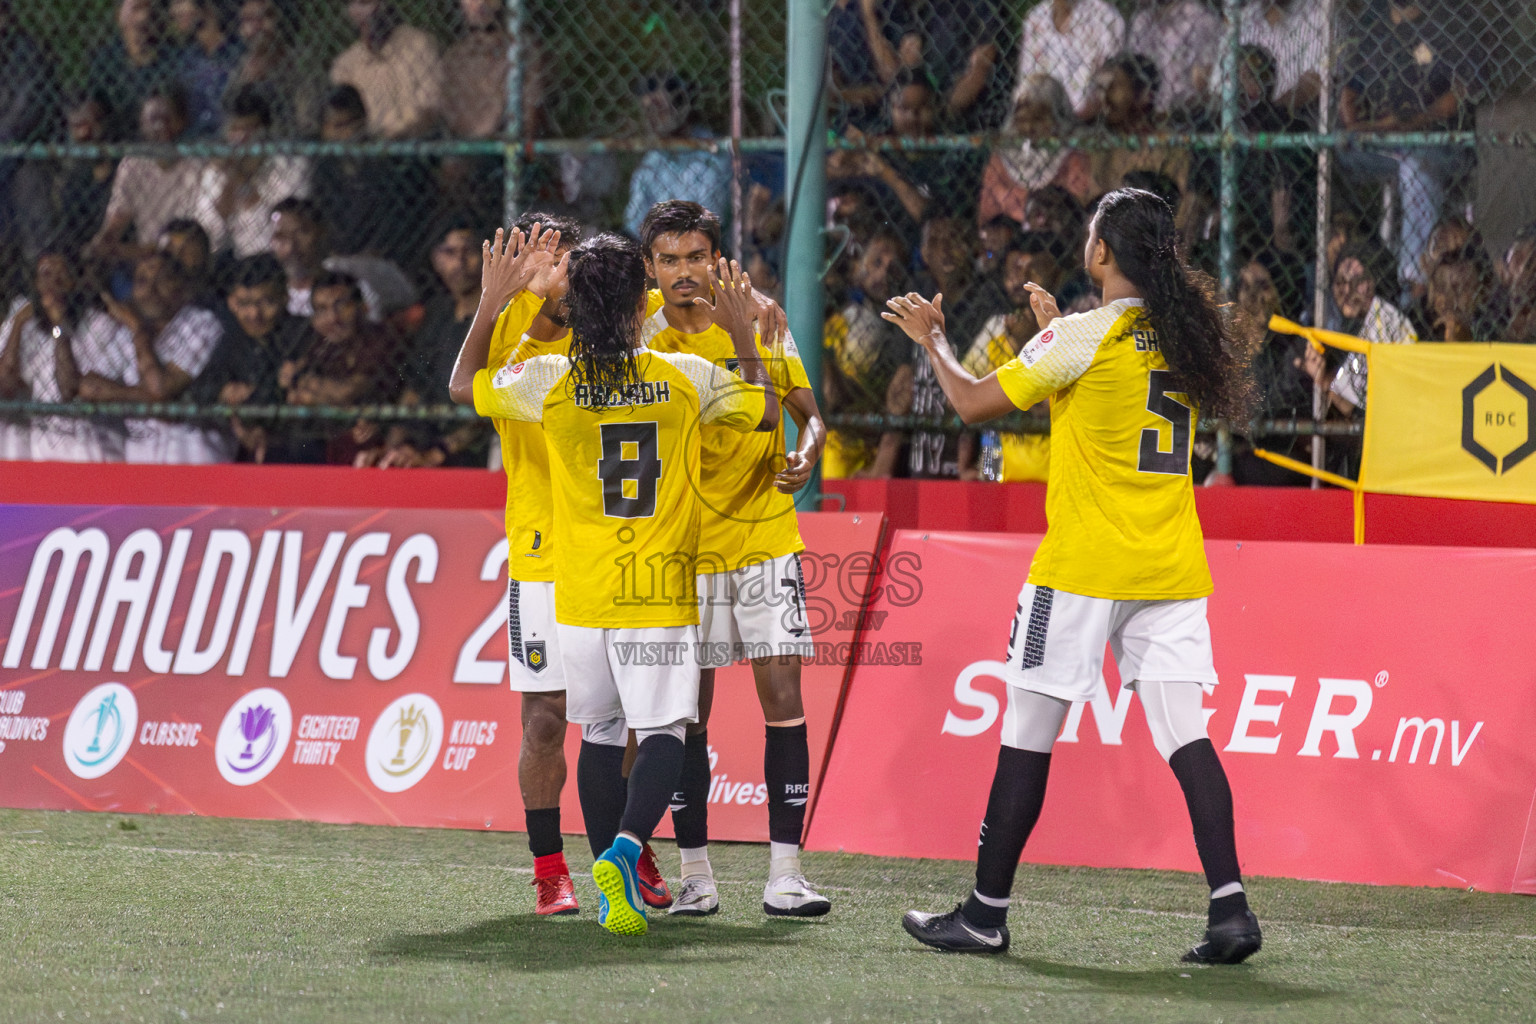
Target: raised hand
{"points": [[510, 262], [1044, 305], [919, 319], [734, 306]]}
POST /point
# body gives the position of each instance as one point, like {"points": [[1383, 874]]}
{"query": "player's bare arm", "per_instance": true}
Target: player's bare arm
{"points": [[798, 464], [509, 265], [733, 310], [975, 400]]}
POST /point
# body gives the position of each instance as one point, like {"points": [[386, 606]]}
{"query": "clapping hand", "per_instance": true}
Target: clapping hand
{"points": [[919, 319]]}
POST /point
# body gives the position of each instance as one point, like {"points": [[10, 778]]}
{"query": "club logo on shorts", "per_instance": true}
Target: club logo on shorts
{"points": [[100, 730], [733, 364], [1036, 348], [404, 742], [253, 736], [536, 658]]}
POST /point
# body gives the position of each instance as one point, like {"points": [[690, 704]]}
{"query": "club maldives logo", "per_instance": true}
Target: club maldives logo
{"points": [[404, 742], [253, 736], [100, 730]]}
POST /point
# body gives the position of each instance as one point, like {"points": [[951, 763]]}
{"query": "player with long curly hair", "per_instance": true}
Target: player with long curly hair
{"points": [[1123, 561]]}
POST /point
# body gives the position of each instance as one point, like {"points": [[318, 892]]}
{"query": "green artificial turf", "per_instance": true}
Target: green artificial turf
{"points": [[111, 918]]}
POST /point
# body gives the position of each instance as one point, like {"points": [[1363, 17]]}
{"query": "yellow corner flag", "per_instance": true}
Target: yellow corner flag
{"points": [[1452, 421]]}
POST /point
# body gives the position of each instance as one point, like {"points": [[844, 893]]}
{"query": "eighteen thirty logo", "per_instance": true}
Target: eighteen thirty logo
{"points": [[404, 742], [100, 730], [253, 736]]}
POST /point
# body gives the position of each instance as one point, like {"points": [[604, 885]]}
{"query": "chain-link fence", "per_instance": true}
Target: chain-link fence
{"points": [[321, 173]]}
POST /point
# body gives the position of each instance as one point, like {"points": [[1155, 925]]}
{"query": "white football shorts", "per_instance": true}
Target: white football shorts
{"points": [[1057, 643], [533, 645], [645, 674], [757, 611]]}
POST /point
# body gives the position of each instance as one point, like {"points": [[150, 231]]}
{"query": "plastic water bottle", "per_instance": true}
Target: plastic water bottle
{"points": [[991, 455]]}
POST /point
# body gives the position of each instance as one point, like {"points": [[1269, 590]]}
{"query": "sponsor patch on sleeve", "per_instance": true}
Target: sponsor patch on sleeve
{"points": [[507, 374], [1037, 347]]}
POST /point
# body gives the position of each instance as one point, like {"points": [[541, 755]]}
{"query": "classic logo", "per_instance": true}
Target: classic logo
{"points": [[505, 374], [404, 742], [1498, 413], [100, 730], [253, 736], [1036, 348], [536, 656]]}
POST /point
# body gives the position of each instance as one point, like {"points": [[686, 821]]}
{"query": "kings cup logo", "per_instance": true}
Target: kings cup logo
{"points": [[253, 736], [100, 730], [404, 742]]}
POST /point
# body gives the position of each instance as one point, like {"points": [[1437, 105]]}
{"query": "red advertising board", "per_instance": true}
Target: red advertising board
{"points": [[1374, 716], [326, 664]]}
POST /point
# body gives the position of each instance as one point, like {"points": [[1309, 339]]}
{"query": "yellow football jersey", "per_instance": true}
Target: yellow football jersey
{"points": [[1026, 457], [624, 469], [1119, 503], [530, 512], [745, 519]]}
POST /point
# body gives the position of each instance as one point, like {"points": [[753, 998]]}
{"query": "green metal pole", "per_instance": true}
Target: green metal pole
{"points": [[1227, 257], [805, 195], [512, 155]]}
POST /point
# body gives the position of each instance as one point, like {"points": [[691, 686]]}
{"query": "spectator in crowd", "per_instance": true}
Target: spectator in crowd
{"points": [[958, 43], [666, 105], [396, 68], [162, 343], [1517, 271], [947, 243], [1283, 387], [1464, 301], [1364, 314], [1053, 210], [26, 99], [1070, 40], [186, 241], [868, 42], [276, 70], [241, 191], [205, 61], [1032, 258], [1411, 70], [346, 361], [51, 337], [301, 243], [1183, 37], [456, 257], [906, 183], [66, 197], [134, 64], [1272, 212], [244, 367], [475, 69], [993, 240], [369, 202], [150, 192], [1125, 98], [863, 354], [1295, 32], [1041, 111], [1452, 232]]}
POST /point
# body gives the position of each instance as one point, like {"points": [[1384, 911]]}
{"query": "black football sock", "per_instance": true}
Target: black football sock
{"points": [[1209, 798], [544, 831], [1225, 907], [787, 769], [690, 804], [601, 788], [652, 781], [1018, 793]]}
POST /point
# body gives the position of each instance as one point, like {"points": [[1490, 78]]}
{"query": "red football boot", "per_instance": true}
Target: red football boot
{"points": [[653, 888], [556, 896]]}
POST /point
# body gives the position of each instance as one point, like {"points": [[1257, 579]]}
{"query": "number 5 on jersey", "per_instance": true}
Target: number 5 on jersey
{"points": [[1179, 417]]}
